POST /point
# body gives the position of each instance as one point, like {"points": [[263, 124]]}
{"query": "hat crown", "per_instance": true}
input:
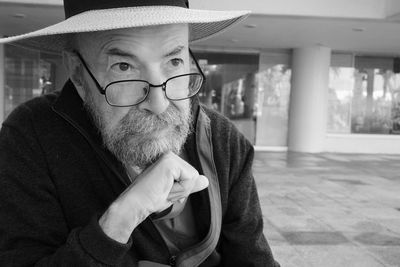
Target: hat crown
{"points": [[106, 15], [74, 7]]}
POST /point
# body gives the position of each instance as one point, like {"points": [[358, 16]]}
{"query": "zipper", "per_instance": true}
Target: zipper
{"points": [[207, 165], [172, 258], [172, 261]]}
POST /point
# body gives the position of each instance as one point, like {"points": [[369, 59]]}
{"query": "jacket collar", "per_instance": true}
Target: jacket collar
{"points": [[70, 105]]}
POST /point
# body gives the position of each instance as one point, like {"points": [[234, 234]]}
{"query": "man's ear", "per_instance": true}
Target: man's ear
{"points": [[75, 72]]}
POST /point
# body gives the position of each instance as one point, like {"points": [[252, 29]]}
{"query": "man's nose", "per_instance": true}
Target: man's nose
{"points": [[156, 101]]}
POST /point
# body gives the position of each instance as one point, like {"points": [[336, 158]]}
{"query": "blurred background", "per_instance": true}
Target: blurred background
{"points": [[309, 76]]}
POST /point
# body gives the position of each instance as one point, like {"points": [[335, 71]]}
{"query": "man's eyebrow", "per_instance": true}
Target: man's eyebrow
{"points": [[176, 51], [120, 53]]}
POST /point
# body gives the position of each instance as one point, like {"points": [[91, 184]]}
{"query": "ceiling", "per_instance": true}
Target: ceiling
{"points": [[22, 18], [258, 32], [284, 32]]}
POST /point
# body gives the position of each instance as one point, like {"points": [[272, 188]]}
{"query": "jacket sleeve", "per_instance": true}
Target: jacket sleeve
{"points": [[33, 230], [242, 240]]}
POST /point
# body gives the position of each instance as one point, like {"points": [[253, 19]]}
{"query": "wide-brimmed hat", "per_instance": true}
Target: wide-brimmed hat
{"points": [[102, 15]]}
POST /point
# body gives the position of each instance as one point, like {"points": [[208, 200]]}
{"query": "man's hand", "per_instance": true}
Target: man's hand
{"points": [[166, 181]]}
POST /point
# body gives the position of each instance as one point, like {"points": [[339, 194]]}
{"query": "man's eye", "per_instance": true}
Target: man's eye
{"points": [[123, 66], [176, 62]]}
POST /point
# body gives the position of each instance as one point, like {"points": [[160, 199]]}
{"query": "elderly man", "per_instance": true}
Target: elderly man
{"points": [[124, 167]]}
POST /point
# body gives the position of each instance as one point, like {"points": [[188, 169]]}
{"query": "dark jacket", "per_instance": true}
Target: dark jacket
{"points": [[56, 179]]}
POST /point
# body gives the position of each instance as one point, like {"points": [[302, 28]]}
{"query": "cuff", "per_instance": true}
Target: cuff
{"points": [[101, 247]]}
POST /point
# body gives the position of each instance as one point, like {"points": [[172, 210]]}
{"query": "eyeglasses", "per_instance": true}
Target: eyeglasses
{"points": [[126, 93]]}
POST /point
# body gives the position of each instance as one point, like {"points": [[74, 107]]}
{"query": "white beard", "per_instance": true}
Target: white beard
{"points": [[141, 137]]}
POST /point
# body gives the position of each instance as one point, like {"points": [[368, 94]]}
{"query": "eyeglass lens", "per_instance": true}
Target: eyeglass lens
{"points": [[126, 93]]}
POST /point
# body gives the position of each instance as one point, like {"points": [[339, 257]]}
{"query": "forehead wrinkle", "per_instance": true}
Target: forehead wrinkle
{"points": [[114, 42], [120, 53]]}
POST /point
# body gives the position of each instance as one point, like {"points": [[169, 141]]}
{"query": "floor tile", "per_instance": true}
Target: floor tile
{"points": [[335, 256], [330, 209], [315, 238], [390, 256]]}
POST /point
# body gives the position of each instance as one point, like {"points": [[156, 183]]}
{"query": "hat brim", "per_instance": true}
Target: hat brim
{"points": [[202, 24]]}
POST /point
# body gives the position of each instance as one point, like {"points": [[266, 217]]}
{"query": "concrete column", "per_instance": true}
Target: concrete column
{"points": [[308, 99], [2, 82]]}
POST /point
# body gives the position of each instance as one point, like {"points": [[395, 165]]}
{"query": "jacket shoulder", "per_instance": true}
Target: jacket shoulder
{"points": [[232, 151], [224, 131], [31, 112]]}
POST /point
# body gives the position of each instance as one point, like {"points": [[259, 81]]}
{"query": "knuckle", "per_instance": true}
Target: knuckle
{"points": [[171, 173]]}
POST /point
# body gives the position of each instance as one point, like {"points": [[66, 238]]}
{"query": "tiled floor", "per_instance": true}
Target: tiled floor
{"points": [[329, 210]]}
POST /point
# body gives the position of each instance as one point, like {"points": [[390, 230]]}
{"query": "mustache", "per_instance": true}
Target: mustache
{"points": [[143, 121]]}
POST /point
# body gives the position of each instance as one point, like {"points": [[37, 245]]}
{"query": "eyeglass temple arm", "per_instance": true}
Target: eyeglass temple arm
{"points": [[197, 64], [101, 89]]}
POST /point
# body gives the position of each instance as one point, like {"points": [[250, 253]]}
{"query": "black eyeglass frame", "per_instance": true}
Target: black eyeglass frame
{"points": [[163, 85]]}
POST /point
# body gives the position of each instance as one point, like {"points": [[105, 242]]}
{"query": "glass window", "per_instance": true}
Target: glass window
{"points": [[272, 108], [364, 99], [231, 87], [251, 90], [30, 73], [341, 84], [21, 76], [375, 105]]}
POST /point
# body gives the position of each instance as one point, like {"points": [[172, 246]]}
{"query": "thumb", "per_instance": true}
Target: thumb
{"points": [[200, 184]]}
